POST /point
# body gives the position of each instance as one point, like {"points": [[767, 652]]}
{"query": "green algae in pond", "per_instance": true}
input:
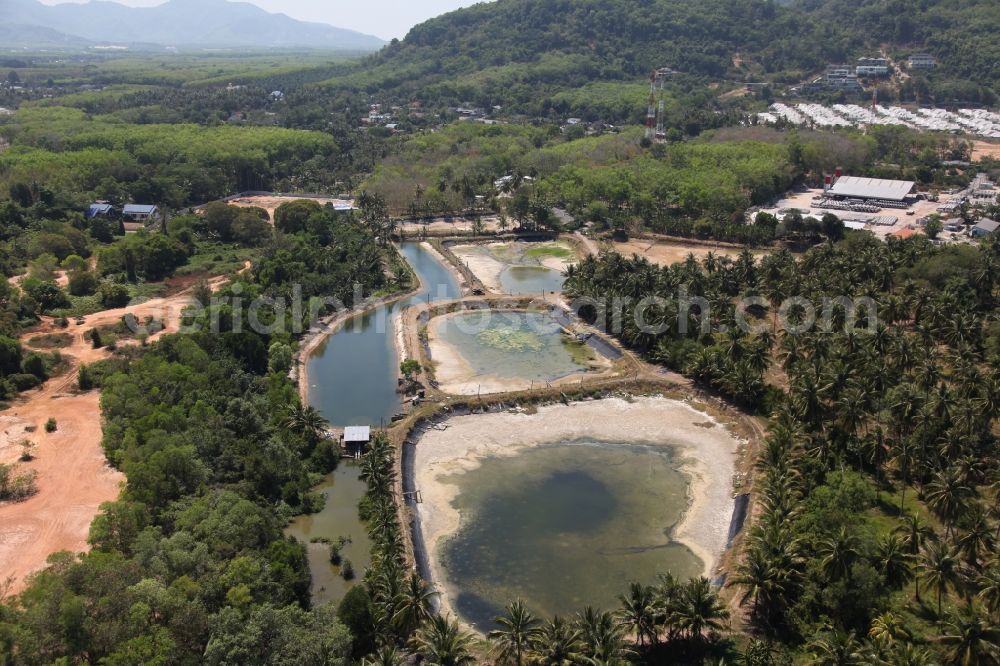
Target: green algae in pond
{"points": [[581, 352], [553, 250], [507, 338], [563, 526], [509, 345]]}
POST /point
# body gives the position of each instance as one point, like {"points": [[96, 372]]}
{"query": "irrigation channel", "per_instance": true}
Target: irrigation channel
{"points": [[353, 376]]}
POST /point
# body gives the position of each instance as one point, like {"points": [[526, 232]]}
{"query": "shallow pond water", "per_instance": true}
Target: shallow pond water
{"points": [[353, 376], [353, 373], [339, 518], [523, 280], [520, 267], [562, 526], [510, 345]]}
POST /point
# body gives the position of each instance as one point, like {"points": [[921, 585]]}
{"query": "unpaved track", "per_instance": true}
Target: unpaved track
{"points": [[74, 478], [271, 203]]}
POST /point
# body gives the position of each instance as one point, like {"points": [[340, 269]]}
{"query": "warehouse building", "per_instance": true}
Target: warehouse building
{"points": [[850, 187]]}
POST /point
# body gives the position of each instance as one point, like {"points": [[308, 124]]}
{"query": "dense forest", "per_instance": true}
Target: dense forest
{"points": [[168, 164]]}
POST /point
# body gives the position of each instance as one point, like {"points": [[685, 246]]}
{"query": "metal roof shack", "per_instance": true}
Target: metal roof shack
{"points": [[138, 209], [985, 227], [872, 188], [99, 208], [357, 434]]}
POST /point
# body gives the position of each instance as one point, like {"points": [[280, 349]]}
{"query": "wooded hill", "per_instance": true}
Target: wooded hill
{"points": [[511, 51]]}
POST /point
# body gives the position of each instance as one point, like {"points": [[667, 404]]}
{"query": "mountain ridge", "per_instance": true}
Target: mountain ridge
{"points": [[216, 23]]}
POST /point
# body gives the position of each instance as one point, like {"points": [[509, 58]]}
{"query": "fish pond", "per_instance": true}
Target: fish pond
{"points": [[564, 525]]}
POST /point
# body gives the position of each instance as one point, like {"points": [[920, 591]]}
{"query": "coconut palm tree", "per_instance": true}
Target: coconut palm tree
{"points": [[976, 538], [667, 592], [989, 589], [518, 629], [939, 569], [908, 654], [306, 421], [638, 612], [971, 638], [887, 629], [915, 532], [904, 458], [413, 605], [895, 562], [441, 642], [557, 644], [603, 637], [764, 580], [835, 648], [838, 554], [948, 496], [699, 609], [385, 656]]}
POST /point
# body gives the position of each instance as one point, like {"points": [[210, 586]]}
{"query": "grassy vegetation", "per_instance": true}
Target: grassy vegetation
{"points": [[557, 251], [214, 258], [51, 341], [81, 306]]}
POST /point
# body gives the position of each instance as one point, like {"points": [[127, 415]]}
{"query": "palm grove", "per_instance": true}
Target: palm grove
{"points": [[878, 483]]}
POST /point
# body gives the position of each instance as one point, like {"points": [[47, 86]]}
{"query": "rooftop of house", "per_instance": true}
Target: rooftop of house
{"points": [[139, 209]]}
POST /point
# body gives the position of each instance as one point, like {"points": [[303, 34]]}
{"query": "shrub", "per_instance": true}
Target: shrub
{"points": [[23, 382], [47, 295], [16, 487], [27, 450], [51, 425], [113, 295], [347, 570], [34, 364], [84, 378], [83, 283], [10, 355]]}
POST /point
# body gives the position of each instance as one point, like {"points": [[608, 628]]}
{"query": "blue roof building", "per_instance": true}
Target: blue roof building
{"points": [[96, 209], [137, 209], [140, 213]]}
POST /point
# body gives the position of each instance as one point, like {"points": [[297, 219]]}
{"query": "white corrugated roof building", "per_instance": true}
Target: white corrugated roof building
{"points": [[872, 188], [357, 434]]}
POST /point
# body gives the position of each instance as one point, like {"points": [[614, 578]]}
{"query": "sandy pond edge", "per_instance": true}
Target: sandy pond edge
{"points": [[457, 377], [489, 268], [707, 453]]}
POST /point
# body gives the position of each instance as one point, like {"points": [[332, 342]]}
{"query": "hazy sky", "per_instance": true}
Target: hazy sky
{"points": [[383, 18]]}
